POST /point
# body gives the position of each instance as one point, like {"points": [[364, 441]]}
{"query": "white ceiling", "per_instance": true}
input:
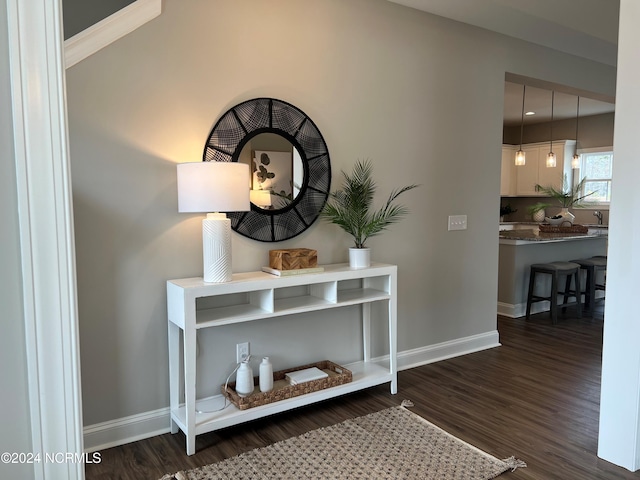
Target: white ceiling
{"points": [[538, 100], [585, 28]]}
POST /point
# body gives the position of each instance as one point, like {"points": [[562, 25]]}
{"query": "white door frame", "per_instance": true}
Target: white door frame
{"points": [[46, 234], [619, 432]]}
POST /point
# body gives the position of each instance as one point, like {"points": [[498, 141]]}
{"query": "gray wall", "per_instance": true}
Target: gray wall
{"points": [[419, 95], [14, 415], [81, 14]]}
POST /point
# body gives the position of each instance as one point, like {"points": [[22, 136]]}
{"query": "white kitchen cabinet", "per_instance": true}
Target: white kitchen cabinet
{"points": [[527, 174], [508, 171], [257, 296], [554, 176], [535, 170]]}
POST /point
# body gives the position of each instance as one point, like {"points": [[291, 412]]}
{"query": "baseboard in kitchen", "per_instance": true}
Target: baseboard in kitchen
{"points": [[520, 309]]}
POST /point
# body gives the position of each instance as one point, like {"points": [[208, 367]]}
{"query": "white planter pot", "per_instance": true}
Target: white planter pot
{"points": [[359, 257]]}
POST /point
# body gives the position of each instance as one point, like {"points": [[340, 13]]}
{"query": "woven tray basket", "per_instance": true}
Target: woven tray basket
{"points": [[282, 390], [575, 228]]}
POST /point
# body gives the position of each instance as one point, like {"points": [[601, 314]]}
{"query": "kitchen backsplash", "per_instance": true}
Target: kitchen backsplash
{"points": [[584, 216]]}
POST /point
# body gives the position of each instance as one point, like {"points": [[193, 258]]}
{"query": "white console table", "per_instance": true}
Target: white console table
{"points": [[265, 297]]}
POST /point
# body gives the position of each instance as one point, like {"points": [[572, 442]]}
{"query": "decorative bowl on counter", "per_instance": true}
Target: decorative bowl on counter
{"points": [[564, 217], [554, 221]]}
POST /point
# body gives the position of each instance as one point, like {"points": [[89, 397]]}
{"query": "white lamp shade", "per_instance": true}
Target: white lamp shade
{"points": [[213, 187]]}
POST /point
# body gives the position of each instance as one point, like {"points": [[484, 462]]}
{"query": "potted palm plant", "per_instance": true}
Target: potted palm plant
{"points": [[568, 196], [350, 207]]}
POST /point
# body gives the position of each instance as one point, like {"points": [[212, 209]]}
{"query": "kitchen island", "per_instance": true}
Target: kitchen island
{"points": [[522, 247]]}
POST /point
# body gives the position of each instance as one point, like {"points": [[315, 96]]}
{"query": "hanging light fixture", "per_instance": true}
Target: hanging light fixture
{"points": [[551, 157], [575, 161], [520, 155]]}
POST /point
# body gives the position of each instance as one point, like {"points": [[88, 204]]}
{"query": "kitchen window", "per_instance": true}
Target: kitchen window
{"points": [[596, 164]]}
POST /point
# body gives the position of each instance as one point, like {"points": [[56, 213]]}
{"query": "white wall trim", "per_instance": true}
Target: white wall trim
{"points": [[450, 349], [157, 422], [520, 309], [126, 430], [45, 216], [112, 28], [619, 433]]}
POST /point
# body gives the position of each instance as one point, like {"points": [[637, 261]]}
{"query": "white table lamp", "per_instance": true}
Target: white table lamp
{"points": [[214, 187]]}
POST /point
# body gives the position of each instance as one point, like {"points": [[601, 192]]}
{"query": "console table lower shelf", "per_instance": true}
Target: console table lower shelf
{"points": [[365, 375]]}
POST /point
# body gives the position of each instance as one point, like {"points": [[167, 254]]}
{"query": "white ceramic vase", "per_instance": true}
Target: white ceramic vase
{"points": [[359, 257], [244, 379], [567, 216]]}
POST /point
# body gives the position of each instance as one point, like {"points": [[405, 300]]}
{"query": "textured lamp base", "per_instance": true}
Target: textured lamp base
{"points": [[216, 248]]}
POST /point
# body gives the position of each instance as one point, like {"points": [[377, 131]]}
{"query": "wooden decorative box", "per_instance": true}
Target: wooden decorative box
{"points": [[282, 390], [293, 258]]}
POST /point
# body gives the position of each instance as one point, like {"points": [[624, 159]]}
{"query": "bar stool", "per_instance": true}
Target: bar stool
{"points": [[555, 269], [592, 266]]}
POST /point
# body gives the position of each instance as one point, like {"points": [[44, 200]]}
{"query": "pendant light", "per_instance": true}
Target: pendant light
{"points": [[520, 155], [551, 157], [575, 161]]}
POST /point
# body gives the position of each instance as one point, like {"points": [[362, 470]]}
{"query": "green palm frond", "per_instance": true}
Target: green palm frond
{"points": [[569, 195], [350, 206]]}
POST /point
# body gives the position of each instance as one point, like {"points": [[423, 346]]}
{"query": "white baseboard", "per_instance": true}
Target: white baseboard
{"points": [[107, 31], [126, 430], [520, 309], [145, 425], [442, 351]]}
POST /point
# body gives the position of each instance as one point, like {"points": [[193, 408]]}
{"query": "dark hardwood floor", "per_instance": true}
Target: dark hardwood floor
{"points": [[536, 397]]}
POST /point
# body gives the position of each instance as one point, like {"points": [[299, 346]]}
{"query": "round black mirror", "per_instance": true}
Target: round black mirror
{"points": [[289, 160]]}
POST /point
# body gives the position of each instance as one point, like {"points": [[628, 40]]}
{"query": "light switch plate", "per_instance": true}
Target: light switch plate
{"points": [[457, 222]]}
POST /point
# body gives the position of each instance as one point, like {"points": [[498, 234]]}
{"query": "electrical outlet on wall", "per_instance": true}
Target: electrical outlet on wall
{"points": [[242, 351]]}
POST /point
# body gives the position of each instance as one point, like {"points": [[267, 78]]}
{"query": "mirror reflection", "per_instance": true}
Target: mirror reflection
{"points": [[277, 170]]}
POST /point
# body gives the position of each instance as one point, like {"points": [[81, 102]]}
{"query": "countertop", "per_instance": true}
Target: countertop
{"points": [[525, 225], [526, 236]]}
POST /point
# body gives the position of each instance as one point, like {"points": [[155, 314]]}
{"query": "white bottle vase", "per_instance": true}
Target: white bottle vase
{"points": [[266, 375], [244, 379]]}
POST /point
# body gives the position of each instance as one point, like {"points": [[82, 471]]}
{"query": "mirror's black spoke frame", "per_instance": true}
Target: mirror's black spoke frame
{"points": [[268, 115]]}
